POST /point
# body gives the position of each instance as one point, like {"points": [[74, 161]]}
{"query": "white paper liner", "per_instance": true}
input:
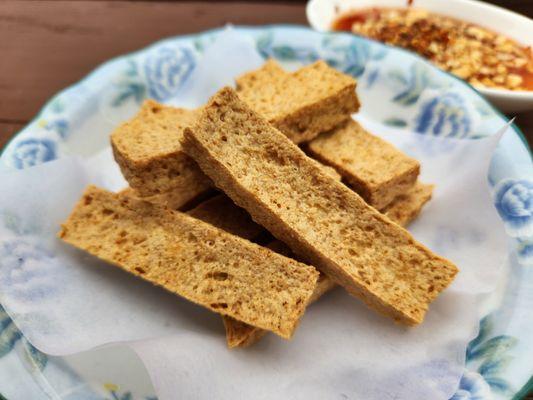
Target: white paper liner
{"points": [[66, 301]]}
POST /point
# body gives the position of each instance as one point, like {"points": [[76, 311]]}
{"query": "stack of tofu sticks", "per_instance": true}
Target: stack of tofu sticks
{"points": [[261, 201]]}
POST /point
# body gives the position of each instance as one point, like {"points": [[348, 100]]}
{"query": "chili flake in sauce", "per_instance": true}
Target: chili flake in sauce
{"points": [[473, 53]]}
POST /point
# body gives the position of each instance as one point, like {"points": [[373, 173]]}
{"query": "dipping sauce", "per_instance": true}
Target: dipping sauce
{"points": [[476, 54]]}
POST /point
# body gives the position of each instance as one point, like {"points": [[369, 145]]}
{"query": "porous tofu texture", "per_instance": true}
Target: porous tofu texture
{"points": [[148, 150], [301, 104], [193, 259], [402, 210], [335, 229], [371, 166]]}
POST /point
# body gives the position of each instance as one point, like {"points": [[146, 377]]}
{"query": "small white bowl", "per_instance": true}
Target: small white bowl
{"points": [[322, 13]]}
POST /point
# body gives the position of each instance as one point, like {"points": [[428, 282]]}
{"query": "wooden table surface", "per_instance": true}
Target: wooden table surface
{"points": [[48, 45]]}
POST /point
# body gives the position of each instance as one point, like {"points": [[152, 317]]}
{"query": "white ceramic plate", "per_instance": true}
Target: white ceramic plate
{"points": [[396, 88], [322, 13]]}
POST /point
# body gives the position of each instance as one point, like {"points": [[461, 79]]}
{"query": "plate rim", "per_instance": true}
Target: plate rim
{"points": [[528, 386], [96, 70]]}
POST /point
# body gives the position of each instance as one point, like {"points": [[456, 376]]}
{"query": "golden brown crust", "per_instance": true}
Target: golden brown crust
{"points": [[402, 210], [193, 259], [221, 212], [302, 104], [406, 207], [329, 171], [371, 166], [179, 198], [148, 150], [361, 249], [240, 334]]}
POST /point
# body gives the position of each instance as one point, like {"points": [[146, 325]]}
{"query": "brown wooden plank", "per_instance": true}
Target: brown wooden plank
{"points": [[525, 122], [7, 130], [47, 45], [519, 6]]}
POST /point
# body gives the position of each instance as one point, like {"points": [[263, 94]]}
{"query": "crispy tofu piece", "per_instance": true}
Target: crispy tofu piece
{"points": [[301, 104], [221, 212], [371, 166], [402, 210], [406, 207], [331, 226], [178, 198], [193, 259], [148, 150]]}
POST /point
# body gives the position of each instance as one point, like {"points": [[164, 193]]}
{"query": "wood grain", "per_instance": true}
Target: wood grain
{"points": [[7, 130], [48, 45]]}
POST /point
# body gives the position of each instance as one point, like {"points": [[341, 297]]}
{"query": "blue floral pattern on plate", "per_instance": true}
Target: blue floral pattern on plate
{"points": [[444, 115], [267, 48], [166, 70], [10, 336], [351, 57], [130, 85], [490, 353], [411, 83], [514, 202], [33, 151], [398, 89], [472, 387], [525, 251]]}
